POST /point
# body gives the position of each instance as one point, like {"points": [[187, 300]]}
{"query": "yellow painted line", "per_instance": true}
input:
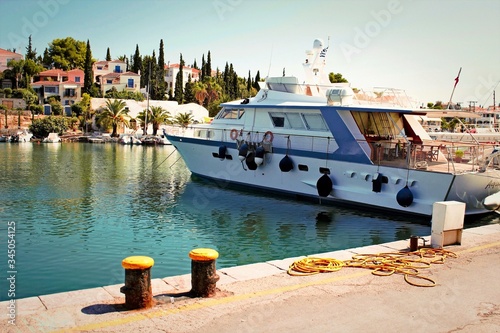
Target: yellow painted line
{"points": [[478, 248], [207, 302]]}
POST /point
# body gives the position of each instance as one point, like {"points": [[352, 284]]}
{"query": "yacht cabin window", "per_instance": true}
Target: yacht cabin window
{"points": [[299, 121], [230, 113], [315, 122]]}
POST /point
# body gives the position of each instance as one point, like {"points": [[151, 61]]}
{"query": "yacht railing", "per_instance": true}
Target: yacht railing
{"points": [[378, 96], [431, 155]]}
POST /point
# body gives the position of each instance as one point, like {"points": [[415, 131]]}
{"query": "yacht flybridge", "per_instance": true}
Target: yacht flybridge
{"points": [[337, 144]]}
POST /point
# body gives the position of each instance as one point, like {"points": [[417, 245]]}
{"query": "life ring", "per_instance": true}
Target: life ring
{"points": [[234, 134], [270, 134]]}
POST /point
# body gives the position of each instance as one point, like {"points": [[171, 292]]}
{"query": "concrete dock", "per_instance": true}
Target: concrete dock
{"points": [[262, 297]]}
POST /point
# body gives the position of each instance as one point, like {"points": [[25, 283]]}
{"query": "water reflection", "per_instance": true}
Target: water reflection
{"points": [[89, 206]]}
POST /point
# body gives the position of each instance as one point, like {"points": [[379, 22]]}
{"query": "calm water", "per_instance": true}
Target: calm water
{"points": [[79, 209]]}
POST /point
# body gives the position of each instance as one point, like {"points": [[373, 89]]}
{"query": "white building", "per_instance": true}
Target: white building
{"points": [[171, 71]]}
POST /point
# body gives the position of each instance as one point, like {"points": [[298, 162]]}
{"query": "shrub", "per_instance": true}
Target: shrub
{"points": [[52, 124]]}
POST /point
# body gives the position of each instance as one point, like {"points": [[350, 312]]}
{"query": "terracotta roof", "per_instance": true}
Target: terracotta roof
{"points": [[9, 53], [194, 70], [130, 74], [113, 75]]}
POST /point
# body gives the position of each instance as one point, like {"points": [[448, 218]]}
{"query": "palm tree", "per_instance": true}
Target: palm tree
{"points": [[114, 113], [158, 115], [201, 95], [183, 119]]}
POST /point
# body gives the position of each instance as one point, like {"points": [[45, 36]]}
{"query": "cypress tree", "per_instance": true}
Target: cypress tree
{"points": [[188, 91], [154, 76], [162, 85], [30, 53], [108, 55], [88, 78], [249, 83], [47, 59], [225, 79], [235, 87], [256, 82], [179, 86], [137, 65], [208, 71], [203, 68]]}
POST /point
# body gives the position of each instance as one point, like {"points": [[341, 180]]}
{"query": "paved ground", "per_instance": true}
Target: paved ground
{"points": [[264, 298]]}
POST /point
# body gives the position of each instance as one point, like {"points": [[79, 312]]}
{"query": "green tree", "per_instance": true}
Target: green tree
{"points": [[158, 116], [46, 59], [29, 97], [41, 127], [56, 106], [137, 61], [161, 87], [256, 82], [114, 114], [189, 96], [16, 70], [203, 68], [83, 111], [67, 53], [336, 78], [183, 119], [88, 75], [30, 53], [30, 69], [249, 83], [108, 55], [179, 84], [208, 69]]}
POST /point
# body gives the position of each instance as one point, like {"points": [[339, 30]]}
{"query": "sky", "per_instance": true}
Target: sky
{"points": [[415, 45]]}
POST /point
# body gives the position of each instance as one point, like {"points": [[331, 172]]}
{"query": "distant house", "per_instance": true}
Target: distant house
{"points": [[127, 81], [56, 82], [171, 71], [113, 74], [5, 57]]}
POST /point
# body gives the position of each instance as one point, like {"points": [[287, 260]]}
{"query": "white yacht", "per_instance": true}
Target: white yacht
{"points": [[327, 142]]}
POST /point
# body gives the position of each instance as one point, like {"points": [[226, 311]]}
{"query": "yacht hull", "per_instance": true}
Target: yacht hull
{"points": [[352, 183]]}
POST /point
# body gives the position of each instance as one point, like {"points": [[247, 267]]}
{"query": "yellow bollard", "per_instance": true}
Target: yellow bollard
{"points": [[137, 289], [203, 272]]}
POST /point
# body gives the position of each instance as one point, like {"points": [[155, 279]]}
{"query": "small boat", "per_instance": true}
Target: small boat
{"points": [[52, 138], [23, 136], [95, 140], [127, 139], [325, 142], [155, 140]]}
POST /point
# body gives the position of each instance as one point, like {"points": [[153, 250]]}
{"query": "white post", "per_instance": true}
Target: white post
{"points": [[447, 223]]}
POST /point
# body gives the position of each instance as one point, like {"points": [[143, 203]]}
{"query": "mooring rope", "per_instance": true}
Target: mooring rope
{"points": [[381, 264]]}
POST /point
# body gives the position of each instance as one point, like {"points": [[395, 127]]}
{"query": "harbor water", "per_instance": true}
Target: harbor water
{"points": [[78, 209]]}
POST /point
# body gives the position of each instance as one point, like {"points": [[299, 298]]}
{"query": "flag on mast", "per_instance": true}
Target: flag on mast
{"points": [[457, 78]]}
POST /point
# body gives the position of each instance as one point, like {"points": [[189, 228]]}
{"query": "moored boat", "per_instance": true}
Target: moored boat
{"points": [[324, 141], [129, 139], [52, 138]]}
